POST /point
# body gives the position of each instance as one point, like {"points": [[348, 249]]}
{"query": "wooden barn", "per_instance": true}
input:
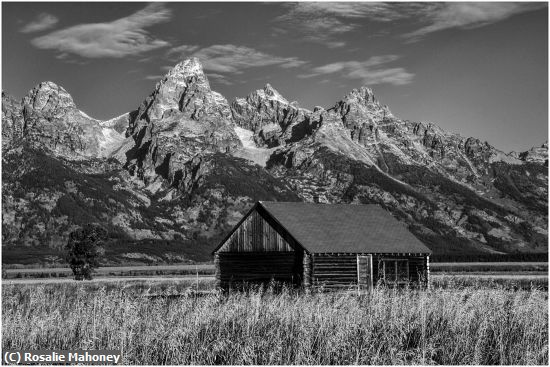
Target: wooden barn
{"points": [[314, 245]]}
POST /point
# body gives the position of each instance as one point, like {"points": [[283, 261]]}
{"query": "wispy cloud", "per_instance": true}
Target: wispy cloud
{"points": [[372, 71], [122, 37], [40, 23], [219, 78], [441, 16], [153, 77], [382, 12], [72, 60], [231, 59], [313, 22], [327, 22]]}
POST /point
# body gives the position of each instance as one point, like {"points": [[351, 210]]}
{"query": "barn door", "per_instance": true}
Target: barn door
{"points": [[364, 272]]}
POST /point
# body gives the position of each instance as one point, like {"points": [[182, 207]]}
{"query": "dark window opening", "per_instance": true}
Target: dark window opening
{"points": [[394, 271]]}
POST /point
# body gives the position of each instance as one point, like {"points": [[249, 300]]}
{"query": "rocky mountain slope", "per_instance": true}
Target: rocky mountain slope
{"points": [[182, 119], [272, 119], [535, 154], [47, 118], [170, 178]]}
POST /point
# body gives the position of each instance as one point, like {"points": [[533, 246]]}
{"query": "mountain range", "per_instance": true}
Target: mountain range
{"points": [[169, 179]]}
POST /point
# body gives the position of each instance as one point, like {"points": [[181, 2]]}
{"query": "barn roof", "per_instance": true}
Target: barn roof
{"points": [[322, 228]]}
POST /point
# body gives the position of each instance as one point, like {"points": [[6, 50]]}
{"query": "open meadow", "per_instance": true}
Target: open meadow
{"points": [[169, 322], [20, 271]]}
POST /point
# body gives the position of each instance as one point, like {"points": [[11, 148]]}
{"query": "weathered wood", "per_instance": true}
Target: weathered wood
{"points": [[350, 266], [337, 269], [260, 250], [217, 274], [428, 272], [259, 267], [416, 268], [350, 275], [307, 270], [364, 272], [255, 234], [334, 271], [340, 270], [343, 260]]}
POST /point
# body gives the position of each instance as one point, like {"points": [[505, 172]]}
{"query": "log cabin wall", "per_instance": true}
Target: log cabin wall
{"points": [[233, 269], [334, 270], [340, 270], [257, 253]]}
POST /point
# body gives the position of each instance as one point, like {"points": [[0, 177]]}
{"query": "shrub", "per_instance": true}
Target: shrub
{"points": [[83, 250]]}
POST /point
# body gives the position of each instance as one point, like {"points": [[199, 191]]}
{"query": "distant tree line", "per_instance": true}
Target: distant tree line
{"points": [[482, 257]]}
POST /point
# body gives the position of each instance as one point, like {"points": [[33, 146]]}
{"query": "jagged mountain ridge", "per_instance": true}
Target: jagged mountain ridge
{"points": [[268, 115], [182, 119], [48, 118], [535, 154], [187, 159]]}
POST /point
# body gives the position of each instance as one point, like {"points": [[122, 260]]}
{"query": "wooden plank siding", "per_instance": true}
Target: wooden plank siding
{"points": [[234, 269], [255, 234], [340, 270], [256, 252], [364, 272], [427, 264], [307, 268]]}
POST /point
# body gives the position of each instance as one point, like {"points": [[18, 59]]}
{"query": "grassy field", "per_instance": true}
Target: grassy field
{"points": [[450, 275], [485, 267], [482, 268], [492, 281], [114, 271], [455, 281], [164, 323]]}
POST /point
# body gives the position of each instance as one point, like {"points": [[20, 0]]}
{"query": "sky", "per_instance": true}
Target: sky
{"points": [[477, 69]]}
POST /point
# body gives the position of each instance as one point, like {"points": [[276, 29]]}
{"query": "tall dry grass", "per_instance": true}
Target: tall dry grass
{"points": [[441, 326]]}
